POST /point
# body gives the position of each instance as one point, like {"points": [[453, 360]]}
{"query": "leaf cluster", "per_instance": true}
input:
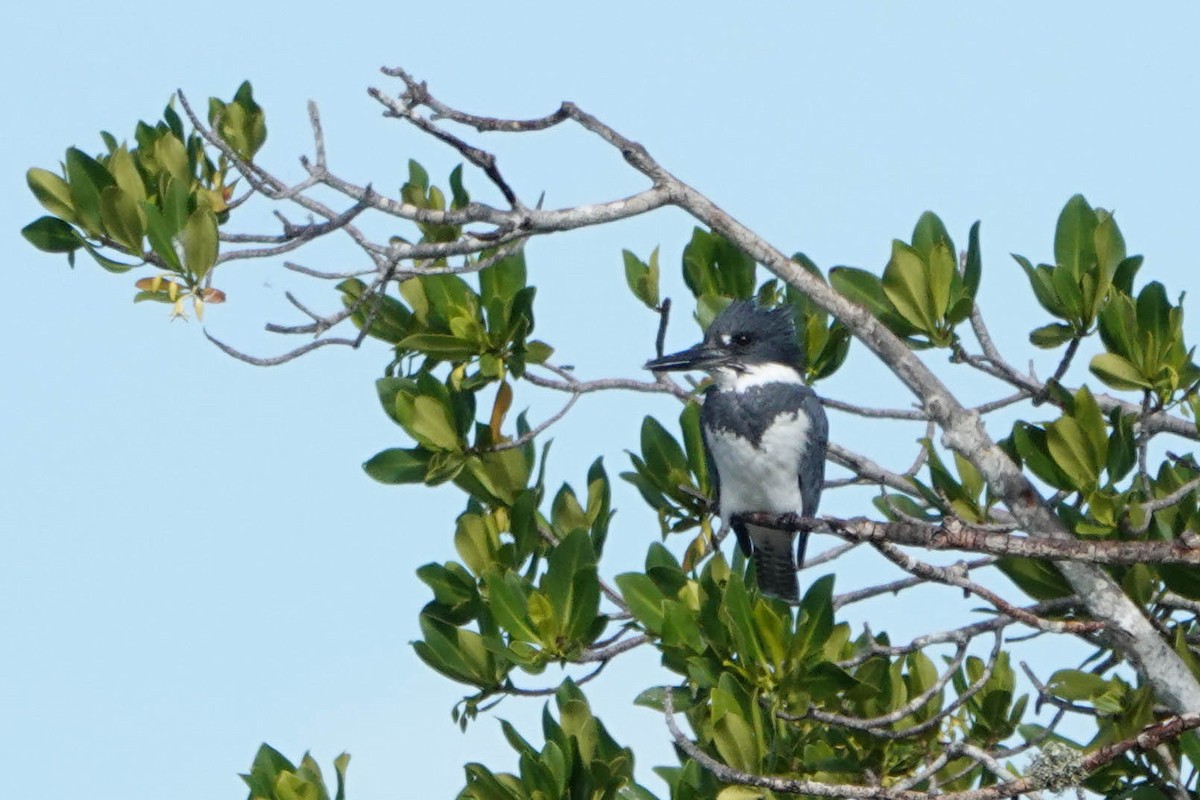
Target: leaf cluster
{"points": [[922, 294], [159, 201], [273, 777], [579, 760]]}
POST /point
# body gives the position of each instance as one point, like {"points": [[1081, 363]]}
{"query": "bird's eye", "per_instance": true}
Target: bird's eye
{"points": [[742, 339]]}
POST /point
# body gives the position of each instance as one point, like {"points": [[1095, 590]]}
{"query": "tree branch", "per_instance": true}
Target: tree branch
{"points": [[953, 534]]}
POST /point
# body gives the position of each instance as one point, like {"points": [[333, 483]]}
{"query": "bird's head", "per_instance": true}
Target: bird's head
{"points": [[742, 337]]}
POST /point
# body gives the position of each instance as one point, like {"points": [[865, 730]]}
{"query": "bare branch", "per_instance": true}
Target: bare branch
{"points": [[481, 159], [533, 433], [606, 653], [897, 586], [956, 576], [550, 690], [874, 413], [275, 361], [1166, 501], [953, 534], [575, 386]]}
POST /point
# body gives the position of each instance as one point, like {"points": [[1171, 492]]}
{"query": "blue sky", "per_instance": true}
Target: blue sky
{"points": [[193, 561]]}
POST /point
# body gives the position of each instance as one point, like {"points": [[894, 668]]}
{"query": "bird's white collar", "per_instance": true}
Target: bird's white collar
{"points": [[729, 379]]}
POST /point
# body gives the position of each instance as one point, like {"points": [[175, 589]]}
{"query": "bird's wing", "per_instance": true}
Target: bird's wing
{"points": [[811, 470]]}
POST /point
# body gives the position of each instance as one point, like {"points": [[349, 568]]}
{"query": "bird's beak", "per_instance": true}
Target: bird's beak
{"points": [[701, 356]]}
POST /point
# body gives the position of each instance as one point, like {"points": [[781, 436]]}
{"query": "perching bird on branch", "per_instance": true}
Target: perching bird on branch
{"points": [[765, 432]]}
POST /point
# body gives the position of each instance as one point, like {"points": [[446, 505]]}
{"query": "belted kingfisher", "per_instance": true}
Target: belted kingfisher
{"points": [[765, 432]]}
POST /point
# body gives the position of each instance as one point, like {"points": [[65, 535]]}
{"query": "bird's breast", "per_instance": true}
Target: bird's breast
{"points": [[763, 477]]}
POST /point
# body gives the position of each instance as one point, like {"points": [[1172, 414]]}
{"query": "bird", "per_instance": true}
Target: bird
{"points": [[764, 430]]}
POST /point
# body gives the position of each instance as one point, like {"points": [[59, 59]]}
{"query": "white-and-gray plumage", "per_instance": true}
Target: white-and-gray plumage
{"points": [[765, 433]]}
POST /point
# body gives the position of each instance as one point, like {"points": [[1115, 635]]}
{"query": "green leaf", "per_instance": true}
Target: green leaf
{"points": [[122, 219], [737, 614], [664, 456], [570, 583], [1118, 327], [973, 269], [1051, 335], [502, 280], [1030, 442], [456, 653], [929, 234], [432, 424], [172, 157], [537, 352], [1038, 579], [1067, 288], [861, 287], [1074, 237], [1118, 373], [645, 600], [175, 203], [106, 262], [268, 764], [907, 287], [255, 126], [1122, 451], [86, 178], [1153, 310], [477, 542], [1068, 444], [655, 698], [52, 192], [816, 621], [735, 742], [390, 319], [1074, 684], [680, 628], [1041, 280], [125, 173], [459, 194], [942, 275], [642, 277], [200, 245], [440, 346], [693, 443], [1125, 273], [161, 236], [507, 601], [398, 465], [52, 235], [417, 175], [340, 765]]}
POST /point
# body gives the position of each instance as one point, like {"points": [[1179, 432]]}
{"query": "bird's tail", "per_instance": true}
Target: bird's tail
{"points": [[774, 563]]}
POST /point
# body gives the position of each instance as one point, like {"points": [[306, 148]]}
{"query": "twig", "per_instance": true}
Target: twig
{"points": [[517, 691], [275, 361], [536, 431], [664, 314], [604, 654], [874, 413], [1044, 696], [1158, 504], [897, 586]]}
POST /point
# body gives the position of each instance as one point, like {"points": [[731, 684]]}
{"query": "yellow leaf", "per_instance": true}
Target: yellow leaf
{"points": [[504, 398]]}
